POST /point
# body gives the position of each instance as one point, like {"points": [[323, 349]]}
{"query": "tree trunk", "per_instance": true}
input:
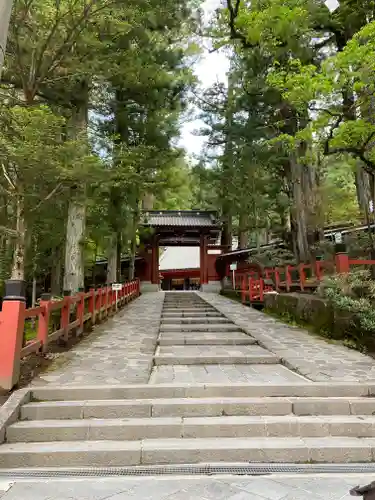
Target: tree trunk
{"points": [[5, 11], [74, 272], [18, 267], [227, 174], [298, 210], [35, 268], [119, 256], [243, 234], [56, 273], [112, 271], [75, 236], [148, 201], [362, 188], [133, 250], [133, 245]]}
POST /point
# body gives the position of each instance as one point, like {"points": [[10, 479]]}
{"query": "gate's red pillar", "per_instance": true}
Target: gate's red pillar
{"points": [[203, 259], [155, 262]]}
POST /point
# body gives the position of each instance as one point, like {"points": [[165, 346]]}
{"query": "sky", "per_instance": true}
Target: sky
{"points": [[210, 68]]}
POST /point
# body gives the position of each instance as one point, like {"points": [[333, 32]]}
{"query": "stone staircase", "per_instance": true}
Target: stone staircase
{"points": [[194, 333], [165, 424]]}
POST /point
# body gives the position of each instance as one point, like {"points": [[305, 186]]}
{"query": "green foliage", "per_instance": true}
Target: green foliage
{"points": [[338, 192], [129, 65], [298, 108], [354, 293]]}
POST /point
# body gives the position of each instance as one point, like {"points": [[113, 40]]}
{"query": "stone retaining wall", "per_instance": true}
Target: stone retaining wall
{"points": [[321, 316]]}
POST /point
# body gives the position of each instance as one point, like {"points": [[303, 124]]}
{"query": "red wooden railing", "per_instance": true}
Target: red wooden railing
{"points": [[73, 312], [299, 278]]}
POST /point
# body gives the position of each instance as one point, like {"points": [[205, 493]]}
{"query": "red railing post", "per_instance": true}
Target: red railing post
{"points": [[318, 270], [112, 300], [81, 311], [120, 297], [12, 321], [251, 284], [43, 320], [342, 263], [106, 300], [65, 316], [98, 303], [92, 305], [261, 289]]}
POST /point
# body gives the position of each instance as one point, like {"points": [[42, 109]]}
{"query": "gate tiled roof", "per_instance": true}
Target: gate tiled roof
{"points": [[183, 218]]}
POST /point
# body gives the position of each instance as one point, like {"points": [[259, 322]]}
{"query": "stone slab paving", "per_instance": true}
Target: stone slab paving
{"points": [[315, 358], [225, 374], [120, 351], [275, 487]]}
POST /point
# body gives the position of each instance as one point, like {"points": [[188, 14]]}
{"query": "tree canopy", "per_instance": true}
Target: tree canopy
{"points": [[92, 97]]}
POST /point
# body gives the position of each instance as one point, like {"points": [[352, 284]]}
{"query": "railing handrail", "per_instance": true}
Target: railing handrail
{"points": [[309, 275]]}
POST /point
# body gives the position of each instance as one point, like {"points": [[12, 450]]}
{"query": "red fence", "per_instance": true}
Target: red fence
{"points": [[52, 320], [300, 278]]}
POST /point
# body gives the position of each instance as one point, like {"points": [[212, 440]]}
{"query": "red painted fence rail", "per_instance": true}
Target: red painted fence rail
{"points": [[53, 320], [299, 278]]}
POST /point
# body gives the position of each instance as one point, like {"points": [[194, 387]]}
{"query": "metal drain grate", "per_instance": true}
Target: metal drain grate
{"points": [[191, 470]]}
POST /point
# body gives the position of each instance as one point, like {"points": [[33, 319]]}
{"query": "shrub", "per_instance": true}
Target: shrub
{"points": [[353, 293]]}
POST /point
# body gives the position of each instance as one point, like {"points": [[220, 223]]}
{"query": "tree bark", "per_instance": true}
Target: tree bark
{"points": [[362, 188], [133, 246], [74, 272], [243, 233], [35, 268], [112, 271], [226, 180], [56, 273], [5, 12], [18, 267], [298, 210], [75, 235], [148, 201]]}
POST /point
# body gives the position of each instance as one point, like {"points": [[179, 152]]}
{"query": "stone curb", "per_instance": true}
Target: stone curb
{"points": [[10, 411]]}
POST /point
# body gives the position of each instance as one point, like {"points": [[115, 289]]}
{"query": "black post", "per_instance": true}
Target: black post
{"points": [[15, 290]]}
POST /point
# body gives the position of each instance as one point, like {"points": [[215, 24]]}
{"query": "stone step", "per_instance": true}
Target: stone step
{"points": [[133, 429], [206, 338], [186, 303], [184, 309], [213, 355], [210, 314], [197, 321], [292, 389], [196, 407], [199, 327], [186, 451]]}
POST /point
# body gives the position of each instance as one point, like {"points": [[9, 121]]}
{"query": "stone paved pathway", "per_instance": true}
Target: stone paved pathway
{"points": [[310, 356], [277, 487], [120, 351]]}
